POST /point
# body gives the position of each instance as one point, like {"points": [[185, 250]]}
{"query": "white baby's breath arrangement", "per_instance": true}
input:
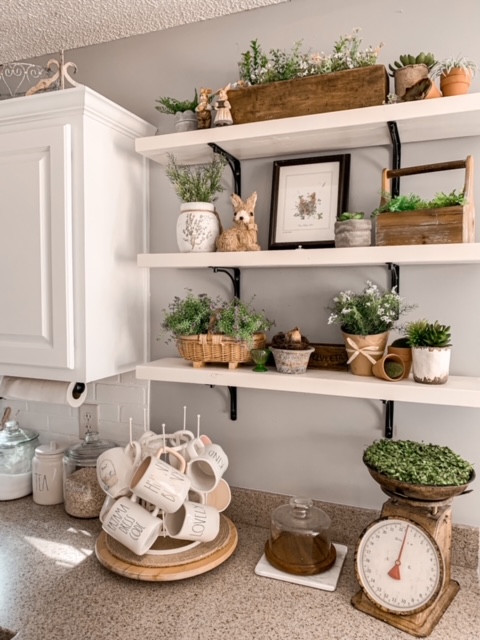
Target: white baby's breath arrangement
{"points": [[370, 312]]}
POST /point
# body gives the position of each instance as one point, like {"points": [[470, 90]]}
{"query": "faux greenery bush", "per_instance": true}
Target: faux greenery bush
{"points": [[422, 333], [258, 67], [418, 463], [173, 106], [197, 314], [413, 202], [196, 183], [367, 313]]}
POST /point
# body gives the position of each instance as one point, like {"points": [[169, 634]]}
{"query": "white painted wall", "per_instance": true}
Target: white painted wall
{"points": [[290, 443]]}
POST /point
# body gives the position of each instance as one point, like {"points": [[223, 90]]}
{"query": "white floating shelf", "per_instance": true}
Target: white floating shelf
{"points": [[418, 121], [458, 391], [468, 253]]}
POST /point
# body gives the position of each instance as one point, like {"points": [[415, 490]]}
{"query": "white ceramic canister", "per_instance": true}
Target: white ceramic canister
{"points": [[47, 474]]}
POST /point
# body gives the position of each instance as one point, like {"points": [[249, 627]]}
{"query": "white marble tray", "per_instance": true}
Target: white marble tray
{"points": [[327, 580]]}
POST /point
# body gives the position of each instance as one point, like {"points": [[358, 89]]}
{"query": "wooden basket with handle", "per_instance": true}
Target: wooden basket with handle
{"points": [[427, 226], [215, 347]]}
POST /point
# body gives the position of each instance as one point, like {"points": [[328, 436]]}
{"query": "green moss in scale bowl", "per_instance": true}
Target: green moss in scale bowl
{"points": [[197, 186], [212, 330]]}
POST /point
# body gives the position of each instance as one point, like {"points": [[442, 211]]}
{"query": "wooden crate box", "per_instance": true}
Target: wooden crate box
{"points": [[351, 89], [427, 226], [331, 357]]}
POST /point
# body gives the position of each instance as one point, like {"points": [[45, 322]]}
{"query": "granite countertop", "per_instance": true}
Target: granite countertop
{"points": [[52, 587]]}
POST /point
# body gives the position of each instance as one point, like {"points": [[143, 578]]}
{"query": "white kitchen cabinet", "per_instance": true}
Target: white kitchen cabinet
{"points": [[418, 121], [73, 217]]}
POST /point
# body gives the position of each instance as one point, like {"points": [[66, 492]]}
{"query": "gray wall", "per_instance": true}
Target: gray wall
{"points": [[295, 443]]}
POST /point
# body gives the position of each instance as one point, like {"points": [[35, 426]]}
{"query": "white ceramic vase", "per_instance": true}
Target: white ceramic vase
{"points": [[197, 227], [431, 365]]}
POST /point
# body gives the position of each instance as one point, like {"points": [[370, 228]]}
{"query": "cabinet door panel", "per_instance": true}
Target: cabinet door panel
{"points": [[36, 319]]}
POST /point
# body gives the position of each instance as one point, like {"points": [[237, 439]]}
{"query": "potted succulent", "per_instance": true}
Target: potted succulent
{"points": [[418, 470], [430, 343], [366, 319], [401, 348], [291, 351], [352, 230], [197, 186], [213, 330], [408, 70], [455, 75], [186, 118]]}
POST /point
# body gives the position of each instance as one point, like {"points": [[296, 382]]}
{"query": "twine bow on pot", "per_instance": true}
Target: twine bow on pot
{"points": [[355, 350]]}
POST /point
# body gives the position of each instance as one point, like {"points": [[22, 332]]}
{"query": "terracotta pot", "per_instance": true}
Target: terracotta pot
{"points": [[456, 82], [431, 365], [434, 91], [405, 353], [379, 368], [364, 351], [353, 233]]}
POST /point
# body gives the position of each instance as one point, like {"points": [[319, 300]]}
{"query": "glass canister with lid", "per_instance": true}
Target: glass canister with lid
{"points": [[299, 540], [17, 446], [83, 496]]}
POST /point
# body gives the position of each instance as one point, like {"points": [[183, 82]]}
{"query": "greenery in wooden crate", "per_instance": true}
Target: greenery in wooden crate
{"points": [[173, 106], [421, 333], [413, 202], [196, 183], [258, 67], [418, 463], [200, 314]]}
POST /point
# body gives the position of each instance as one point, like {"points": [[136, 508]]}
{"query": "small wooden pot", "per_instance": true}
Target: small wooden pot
{"points": [[353, 233], [379, 368]]}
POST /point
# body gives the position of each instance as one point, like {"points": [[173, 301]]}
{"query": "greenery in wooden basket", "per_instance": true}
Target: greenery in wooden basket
{"points": [[413, 202], [173, 106], [258, 67], [201, 314], [369, 312], [351, 215], [407, 59], [196, 183], [418, 463], [421, 333], [443, 67]]}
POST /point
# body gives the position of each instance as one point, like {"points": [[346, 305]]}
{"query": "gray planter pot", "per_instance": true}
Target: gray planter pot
{"points": [[186, 121], [353, 233]]}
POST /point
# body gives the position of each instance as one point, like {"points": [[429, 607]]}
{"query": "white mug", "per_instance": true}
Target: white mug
{"points": [[193, 521], [107, 503], [161, 484], [206, 470], [115, 469], [132, 525], [220, 497]]}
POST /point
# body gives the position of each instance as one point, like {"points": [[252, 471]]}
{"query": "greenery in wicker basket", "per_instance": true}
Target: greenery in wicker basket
{"points": [[418, 463], [200, 314], [173, 106], [196, 183]]}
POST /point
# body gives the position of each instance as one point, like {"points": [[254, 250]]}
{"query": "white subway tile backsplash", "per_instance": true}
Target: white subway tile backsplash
{"points": [[109, 412], [135, 412], [63, 424], [116, 394], [115, 431], [50, 409]]}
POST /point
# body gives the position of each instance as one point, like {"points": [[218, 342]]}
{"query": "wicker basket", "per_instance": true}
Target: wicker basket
{"points": [[215, 347]]}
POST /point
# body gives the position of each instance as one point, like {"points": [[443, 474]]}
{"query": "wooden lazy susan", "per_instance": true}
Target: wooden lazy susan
{"points": [[169, 560]]}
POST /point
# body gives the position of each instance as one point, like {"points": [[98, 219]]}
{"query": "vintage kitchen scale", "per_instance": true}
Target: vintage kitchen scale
{"points": [[403, 559]]}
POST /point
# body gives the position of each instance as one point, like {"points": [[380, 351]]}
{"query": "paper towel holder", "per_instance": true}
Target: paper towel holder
{"points": [[78, 389]]}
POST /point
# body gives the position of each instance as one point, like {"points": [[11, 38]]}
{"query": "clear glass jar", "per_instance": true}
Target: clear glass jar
{"points": [[299, 540], [82, 495], [17, 447]]}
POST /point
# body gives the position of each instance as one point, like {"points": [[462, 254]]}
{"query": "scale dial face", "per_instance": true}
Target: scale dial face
{"points": [[399, 566]]}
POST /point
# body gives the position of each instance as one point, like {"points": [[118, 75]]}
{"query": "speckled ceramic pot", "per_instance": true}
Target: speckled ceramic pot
{"points": [[431, 365], [290, 360]]}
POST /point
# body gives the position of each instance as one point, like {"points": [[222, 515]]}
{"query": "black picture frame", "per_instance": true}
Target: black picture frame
{"points": [[299, 187]]}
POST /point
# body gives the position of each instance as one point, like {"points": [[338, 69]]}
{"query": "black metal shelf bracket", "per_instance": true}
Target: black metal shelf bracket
{"points": [[235, 277], [233, 401], [394, 276], [397, 155], [389, 407], [234, 165]]}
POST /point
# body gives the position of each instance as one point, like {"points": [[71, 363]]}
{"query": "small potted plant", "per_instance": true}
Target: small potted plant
{"points": [[366, 319], [409, 69], [430, 343], [352, 230], [197, 186], [212, 330], [186, 118], [418, 470], [291, 351], [455, 75], [401, 348]]}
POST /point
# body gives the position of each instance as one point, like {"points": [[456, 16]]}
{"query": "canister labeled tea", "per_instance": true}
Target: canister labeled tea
{"points": [[47, 474]]}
